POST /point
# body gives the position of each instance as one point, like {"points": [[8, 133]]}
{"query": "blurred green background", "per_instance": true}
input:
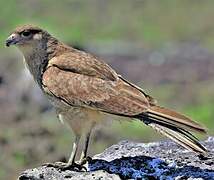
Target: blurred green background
{"points": [[166, 47]]}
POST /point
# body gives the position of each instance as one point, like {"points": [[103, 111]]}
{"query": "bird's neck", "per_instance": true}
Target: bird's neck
{"points": [[37, 55]]}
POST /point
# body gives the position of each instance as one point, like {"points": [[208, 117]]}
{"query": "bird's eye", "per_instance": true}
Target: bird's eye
{"points": [[26, 33]]}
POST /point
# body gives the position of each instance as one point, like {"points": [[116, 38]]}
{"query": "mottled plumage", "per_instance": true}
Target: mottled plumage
{"points": [[83, 89]]}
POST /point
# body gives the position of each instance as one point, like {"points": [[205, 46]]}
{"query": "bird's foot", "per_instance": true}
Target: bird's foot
{"points": [[65, 166], [85, 160]]}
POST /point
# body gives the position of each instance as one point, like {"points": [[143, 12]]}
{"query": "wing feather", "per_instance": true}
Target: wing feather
{"points": [[84, 63], [114, 97]]}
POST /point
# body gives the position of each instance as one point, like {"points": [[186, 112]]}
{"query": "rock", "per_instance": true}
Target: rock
{"points": [[131, 160], [50, 173]]}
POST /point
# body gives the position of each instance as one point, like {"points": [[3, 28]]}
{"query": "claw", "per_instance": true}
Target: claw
{"points": [[85, 160], [64, 166], [55, 164]]}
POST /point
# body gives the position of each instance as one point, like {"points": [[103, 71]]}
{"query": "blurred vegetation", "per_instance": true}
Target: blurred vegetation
{"points": [[115, 30], [152, 22]]}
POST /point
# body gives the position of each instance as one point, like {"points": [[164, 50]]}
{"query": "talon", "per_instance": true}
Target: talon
{"points": [[64, 166], [55, 164], [76, 167], [85, 160], [88, 159], [81, 167]]}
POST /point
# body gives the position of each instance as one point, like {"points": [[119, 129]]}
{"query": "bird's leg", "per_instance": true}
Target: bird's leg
{"points": [[74, 151], [71, 162], [83, 157]]}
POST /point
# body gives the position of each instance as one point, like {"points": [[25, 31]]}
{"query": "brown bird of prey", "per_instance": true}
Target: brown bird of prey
{"points": [[84, 89]]}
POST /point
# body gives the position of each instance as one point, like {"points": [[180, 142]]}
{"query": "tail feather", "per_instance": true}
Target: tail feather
{"points": [[175, 126], [173, 117], [182, 138]]}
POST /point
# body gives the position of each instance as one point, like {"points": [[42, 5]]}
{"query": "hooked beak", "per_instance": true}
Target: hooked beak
{"points": [[12, 39]]}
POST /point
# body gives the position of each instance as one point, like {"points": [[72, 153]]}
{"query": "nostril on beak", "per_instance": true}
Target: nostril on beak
{"points": [[11, 40]]}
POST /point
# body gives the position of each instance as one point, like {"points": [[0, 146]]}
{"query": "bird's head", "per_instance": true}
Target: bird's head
{"points": [[26, 35], [29, 39]]}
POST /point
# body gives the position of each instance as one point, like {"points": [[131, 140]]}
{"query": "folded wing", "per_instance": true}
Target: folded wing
{"points": [[77, 89]]}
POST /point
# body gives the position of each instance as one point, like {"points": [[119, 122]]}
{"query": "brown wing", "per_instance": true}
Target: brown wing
{"points": [[84, 63], [116, 97]]}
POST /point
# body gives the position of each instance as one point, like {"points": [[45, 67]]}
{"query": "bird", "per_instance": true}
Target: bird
{"points": [[84, 90]]}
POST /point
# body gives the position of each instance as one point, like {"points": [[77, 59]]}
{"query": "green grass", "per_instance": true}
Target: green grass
{"points": [[202, 113], [19, 159], [151, 22]]}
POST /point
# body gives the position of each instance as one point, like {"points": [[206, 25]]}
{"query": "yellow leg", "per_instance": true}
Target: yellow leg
{"points": [[85, 148], [74, 151]]}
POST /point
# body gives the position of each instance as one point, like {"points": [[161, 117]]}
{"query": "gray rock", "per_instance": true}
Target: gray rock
{"points": [[50, 173], [132, 160]]}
